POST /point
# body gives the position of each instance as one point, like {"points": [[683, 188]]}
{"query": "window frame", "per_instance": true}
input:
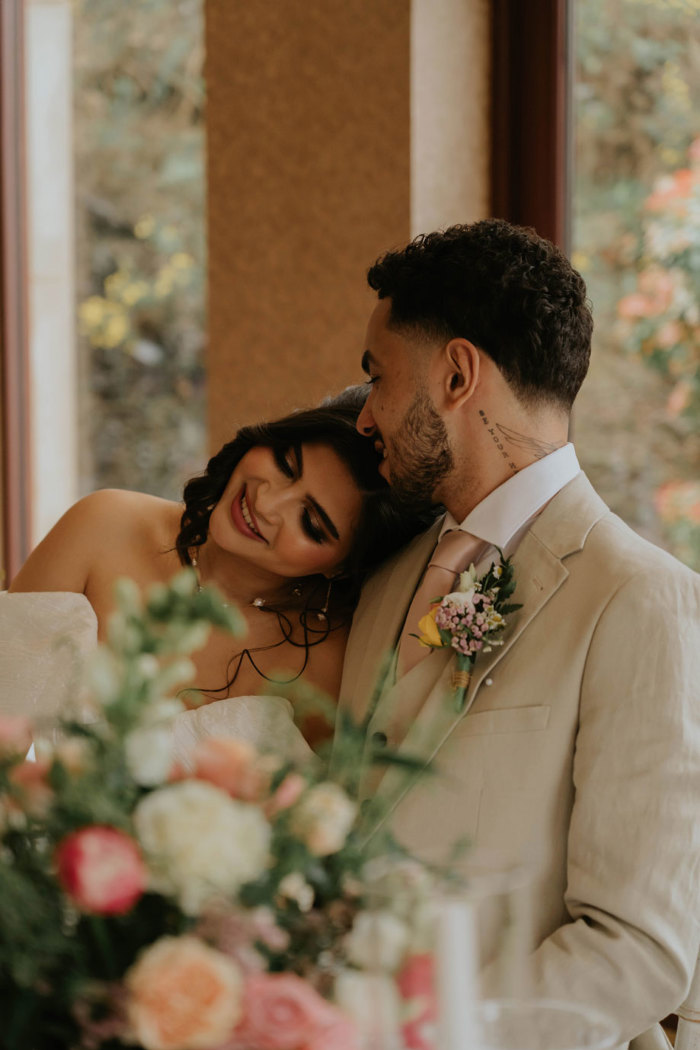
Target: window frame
{"points": [[15, 466]]}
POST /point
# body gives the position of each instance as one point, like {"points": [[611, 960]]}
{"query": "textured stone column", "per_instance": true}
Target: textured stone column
{"points": [[309, 180]]}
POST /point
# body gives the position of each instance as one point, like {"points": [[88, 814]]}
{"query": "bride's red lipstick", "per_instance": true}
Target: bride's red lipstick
{"points": [[252, 532]]}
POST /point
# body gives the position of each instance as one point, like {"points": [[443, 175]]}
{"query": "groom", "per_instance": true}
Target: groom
{"points": [[578, 746]]}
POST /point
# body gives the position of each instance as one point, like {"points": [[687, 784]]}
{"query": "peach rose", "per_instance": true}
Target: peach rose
{"points": [[232, 765], [183, 995], [324, 818], [659, 286], [633, 306], [15, 736], [670, 190], [282, 1012], [35, 795], [101, 870]]}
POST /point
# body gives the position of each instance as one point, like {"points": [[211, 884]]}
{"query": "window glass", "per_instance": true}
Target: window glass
{"points": [[636, 239], [140, 253]]}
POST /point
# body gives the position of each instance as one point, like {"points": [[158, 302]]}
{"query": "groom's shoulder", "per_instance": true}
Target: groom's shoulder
{"points": [[580, 528]]}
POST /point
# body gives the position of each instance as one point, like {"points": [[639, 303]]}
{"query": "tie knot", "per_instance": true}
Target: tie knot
{"points": [[455, 551]]}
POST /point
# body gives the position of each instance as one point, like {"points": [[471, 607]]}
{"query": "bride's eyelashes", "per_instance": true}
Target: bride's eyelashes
{"points": [[311, 528], [288, 461]]}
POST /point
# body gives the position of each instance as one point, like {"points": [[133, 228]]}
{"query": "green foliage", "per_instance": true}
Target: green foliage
{"points": [[637, 94]]}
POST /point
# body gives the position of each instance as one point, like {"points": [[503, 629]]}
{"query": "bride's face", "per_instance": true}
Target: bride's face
{"points": [[290, 512]]}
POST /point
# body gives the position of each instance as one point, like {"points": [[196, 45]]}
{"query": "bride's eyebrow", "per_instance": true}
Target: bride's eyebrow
{"points": [[323, 515]]}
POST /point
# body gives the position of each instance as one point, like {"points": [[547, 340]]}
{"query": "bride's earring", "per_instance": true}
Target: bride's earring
{"points": [[322, 613]]}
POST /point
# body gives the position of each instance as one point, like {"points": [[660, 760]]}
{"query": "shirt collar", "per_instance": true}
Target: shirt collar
{"points": [[516, 502]]}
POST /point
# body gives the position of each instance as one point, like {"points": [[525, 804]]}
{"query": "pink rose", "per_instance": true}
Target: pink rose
{"points": [[282, 1012], [232, 765], [337, 1033], [289, 792], [419, 1034], [416, 983], [15, 736], [183, 995], [417, 976], [101, 870]]}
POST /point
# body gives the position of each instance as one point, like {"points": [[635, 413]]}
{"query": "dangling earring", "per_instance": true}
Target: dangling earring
{"points": [[322, 613]]}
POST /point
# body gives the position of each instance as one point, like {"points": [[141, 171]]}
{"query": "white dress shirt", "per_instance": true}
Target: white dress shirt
{"points": [[504, 516]]}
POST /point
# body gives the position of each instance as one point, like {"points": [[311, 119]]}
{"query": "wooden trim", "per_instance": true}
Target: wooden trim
{"points": [[14, 344], [530, 167]]}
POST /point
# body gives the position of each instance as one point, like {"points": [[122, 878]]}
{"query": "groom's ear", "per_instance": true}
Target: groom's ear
{"points": [[461, 363]]}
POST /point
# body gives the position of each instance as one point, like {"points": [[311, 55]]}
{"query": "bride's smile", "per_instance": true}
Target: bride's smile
{"points": [[290, 513]]}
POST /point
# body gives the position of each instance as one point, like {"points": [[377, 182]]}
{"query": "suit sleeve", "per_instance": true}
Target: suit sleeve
{"points": [[633, 866]]}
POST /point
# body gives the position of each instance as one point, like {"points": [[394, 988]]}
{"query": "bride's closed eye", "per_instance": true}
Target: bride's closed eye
{"points": [[287, 461], [312, 529]]}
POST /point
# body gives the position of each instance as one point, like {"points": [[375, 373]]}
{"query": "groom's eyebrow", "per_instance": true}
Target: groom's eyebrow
{"points": [[367, 361], [323, 515]]}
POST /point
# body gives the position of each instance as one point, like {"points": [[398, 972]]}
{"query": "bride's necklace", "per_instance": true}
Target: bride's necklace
{"points": [[258, 603]]}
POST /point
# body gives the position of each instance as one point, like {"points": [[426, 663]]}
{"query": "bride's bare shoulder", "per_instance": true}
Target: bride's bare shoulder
{"points": [[97, 527]]}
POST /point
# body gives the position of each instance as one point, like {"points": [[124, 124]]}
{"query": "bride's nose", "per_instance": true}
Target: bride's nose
{"points": [[270, 501]]}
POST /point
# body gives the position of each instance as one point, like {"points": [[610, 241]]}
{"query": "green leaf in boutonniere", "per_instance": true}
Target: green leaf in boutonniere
{"points": [[470, 618]]}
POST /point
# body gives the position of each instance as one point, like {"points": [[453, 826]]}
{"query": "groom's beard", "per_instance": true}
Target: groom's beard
{"points": [[420, 454]]}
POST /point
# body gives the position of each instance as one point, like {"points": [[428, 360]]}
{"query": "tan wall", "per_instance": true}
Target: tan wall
{"points": [[310, 171]]}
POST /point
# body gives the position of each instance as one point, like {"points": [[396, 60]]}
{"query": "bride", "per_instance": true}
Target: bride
{"points": [[286, 521]]}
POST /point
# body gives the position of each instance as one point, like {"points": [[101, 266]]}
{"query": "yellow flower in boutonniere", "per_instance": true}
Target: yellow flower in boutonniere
{"points": [[429, 631], [469, 619]]}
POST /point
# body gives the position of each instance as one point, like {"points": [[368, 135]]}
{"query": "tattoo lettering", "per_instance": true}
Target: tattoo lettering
{"points": [[538, 449], [496, 440]]}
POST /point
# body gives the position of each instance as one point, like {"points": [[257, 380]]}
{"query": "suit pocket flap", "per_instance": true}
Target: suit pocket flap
{"points": [[506, 720]]}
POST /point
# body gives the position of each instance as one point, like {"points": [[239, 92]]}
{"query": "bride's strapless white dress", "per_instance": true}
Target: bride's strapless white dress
{"points": [[44, 639]]}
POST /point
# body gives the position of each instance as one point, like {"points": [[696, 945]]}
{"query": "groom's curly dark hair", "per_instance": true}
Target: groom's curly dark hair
{"points": [[510, 292]]}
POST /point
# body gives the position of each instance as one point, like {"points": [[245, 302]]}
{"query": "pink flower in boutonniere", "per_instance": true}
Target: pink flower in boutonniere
{"points": [[469, 618]]}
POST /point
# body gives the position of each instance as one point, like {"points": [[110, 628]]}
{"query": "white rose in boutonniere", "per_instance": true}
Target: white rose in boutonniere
{"points": [[468, 618]]}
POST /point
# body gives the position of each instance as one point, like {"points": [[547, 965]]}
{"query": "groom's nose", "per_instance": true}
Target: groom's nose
{"points": [[365, 422]]}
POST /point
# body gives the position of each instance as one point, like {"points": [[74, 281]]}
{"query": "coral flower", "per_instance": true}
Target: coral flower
{"points": [[101, 870]]}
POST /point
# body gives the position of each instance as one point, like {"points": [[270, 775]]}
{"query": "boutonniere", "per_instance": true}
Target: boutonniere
{"points": [[469, 619]]}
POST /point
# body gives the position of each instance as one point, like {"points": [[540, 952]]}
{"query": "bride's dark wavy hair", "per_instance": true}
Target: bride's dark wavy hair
{"points": [[383, 526]]}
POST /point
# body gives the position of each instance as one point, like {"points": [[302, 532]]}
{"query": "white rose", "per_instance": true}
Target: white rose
{"points": [[200, 842], [149, 754], [294, 887], [372, 1001], [323, 819], [377, 940]]}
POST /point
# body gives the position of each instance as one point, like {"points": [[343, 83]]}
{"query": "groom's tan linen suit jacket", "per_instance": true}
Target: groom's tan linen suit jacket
{"points": [[579, 750]]}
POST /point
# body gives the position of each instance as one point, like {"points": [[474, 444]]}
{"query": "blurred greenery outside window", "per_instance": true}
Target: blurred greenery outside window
{"points": [[140, 185], [636, 240]]}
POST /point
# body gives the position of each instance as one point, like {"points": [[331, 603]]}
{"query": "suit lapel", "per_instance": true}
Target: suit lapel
{"points": [[539, 571], [378, 622]]}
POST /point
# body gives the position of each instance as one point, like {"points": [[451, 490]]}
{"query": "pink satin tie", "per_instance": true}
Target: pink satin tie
{"points": [[454, 553]]}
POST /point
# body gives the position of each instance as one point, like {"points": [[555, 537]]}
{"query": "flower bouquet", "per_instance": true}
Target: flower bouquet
{"points": [[146, 906]]}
